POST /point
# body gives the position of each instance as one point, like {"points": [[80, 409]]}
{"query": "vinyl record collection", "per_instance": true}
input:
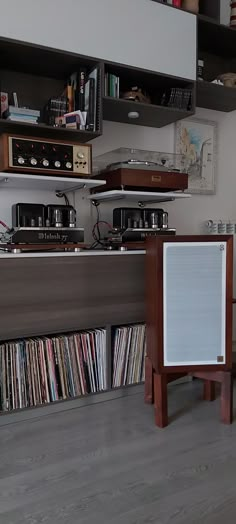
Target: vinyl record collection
{"points": [[129, 353], [41, 370]]}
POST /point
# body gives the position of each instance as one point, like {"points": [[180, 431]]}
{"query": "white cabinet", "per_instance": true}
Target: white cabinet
{"points": [[141, 33]]}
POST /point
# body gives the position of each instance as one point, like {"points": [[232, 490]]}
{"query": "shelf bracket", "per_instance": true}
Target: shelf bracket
{"points": [[71, 190], [147, 202]]}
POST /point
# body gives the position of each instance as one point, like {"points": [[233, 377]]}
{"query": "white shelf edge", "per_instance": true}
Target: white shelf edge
{"points": [[31, 181], [143, 196]]}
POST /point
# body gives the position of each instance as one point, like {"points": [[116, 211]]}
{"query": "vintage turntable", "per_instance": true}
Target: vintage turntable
{"points": [[136, 169]]}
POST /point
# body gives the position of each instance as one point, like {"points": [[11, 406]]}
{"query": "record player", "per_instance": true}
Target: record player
{"points": [[136, 169]]}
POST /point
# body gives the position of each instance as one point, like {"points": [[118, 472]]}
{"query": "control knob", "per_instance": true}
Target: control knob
{"points": [[20, 160], [57, 163], [33, 161], [68, 165], [45, 162], [80, 155]]}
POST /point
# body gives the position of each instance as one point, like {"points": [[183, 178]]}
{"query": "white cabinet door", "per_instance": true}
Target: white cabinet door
{"points": [[141, 33], [194, 297]]}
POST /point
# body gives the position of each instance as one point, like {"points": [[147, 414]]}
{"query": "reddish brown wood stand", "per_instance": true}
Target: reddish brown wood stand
{"points": [[156, 391]]}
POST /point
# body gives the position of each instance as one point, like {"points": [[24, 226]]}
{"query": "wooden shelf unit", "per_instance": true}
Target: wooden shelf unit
{"points": [[117, 110], [216, 46], [110, 332], [36, 74], [116, 281], [152, 114], [216, 97]]}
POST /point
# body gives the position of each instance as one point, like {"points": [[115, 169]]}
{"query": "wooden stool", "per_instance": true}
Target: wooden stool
{"points": [[156, 391]]}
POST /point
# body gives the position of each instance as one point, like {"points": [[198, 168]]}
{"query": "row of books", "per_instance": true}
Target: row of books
{"points": [[178, 98], [112, 85], [82, 94], [129, 354], [41, 370]]}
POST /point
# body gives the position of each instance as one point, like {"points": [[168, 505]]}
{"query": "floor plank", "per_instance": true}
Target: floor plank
{"points": [[108, 463]]}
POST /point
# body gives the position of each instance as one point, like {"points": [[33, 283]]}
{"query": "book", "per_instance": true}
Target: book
{"points": [[24, 111]]}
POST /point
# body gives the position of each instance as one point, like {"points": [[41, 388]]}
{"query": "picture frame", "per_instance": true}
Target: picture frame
{"points": [[197, 139]]}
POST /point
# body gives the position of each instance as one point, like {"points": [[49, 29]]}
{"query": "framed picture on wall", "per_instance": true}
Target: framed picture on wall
{"points": [[197, 139]]}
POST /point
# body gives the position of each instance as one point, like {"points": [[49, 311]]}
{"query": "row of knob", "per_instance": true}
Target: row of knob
{"points": [[45, 162]]}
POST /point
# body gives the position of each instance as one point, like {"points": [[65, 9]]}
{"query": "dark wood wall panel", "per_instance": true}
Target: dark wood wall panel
{"points": [[49, 295]]}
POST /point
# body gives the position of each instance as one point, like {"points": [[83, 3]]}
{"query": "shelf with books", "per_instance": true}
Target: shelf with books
{"points": [[44, 370], [146, 98], [50, 93]]}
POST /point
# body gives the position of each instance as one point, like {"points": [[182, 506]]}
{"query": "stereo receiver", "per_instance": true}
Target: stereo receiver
{"points": [[48, 157]]}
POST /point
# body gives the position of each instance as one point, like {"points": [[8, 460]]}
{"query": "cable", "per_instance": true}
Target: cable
{"points": [[4, 225], [63, 195]]}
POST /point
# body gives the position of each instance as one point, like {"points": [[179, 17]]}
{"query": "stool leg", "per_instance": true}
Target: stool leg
{"points": [[149, 386], [160, 400], [209, 390], [227, 398]]}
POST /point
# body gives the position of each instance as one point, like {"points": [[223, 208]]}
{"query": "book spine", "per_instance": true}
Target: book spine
{"points": [[81, 84]]}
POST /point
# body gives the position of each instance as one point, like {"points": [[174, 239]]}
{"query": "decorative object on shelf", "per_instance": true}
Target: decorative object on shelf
{"points": [[178, 98], [197, 139], [191, 5], [200, 69], [233, 15], [228, 79], [137, 95], [3, 103], [218, 82], [221, 227], [176, 3]]}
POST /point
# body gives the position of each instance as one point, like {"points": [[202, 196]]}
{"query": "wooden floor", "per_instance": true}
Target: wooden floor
{"points": [[108, 464]]}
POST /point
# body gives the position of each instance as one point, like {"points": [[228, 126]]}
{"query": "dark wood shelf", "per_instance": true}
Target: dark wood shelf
{"points": [[40, 60], [117, 109], [45, 131], [216, 38], [217, 97]]}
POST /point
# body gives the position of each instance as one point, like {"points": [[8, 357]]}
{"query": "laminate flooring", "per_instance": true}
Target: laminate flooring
{"points": [[108, 464]]}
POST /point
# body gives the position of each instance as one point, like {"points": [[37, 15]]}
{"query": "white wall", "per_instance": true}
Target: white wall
{"points": [[225, 11], [130, 32]]}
